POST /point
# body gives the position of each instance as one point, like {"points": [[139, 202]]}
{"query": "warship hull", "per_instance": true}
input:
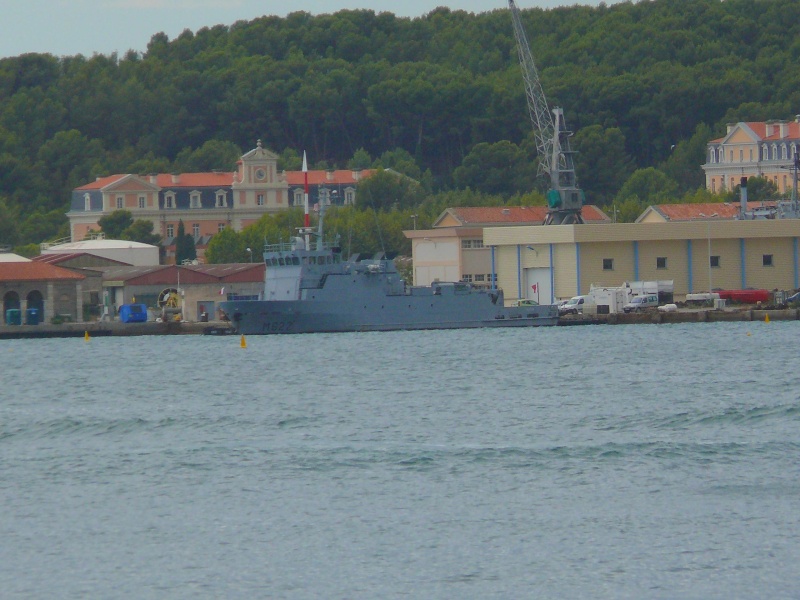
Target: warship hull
{"points": [[445, 306]]}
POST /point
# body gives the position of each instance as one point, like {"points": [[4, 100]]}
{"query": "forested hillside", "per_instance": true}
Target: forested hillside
{"points": [[644, 86]]}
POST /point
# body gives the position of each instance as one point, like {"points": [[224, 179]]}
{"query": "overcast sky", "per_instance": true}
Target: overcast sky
{"points": [[69, 27]]}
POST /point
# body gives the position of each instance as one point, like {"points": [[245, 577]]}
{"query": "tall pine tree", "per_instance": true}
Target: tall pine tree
{"points": [[184, 245]]}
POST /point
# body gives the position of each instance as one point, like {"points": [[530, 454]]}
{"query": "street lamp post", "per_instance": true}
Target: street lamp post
{"points": [[414, 218], [251, 254]]}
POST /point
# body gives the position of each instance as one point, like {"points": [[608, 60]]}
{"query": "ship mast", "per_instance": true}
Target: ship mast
{"points": [[306, 219]]}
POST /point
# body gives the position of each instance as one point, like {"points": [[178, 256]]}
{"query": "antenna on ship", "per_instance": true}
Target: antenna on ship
{"points": [[306, 218]]}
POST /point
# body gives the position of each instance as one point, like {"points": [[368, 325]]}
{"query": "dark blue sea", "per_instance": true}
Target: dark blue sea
{"points": [[642, 461]]}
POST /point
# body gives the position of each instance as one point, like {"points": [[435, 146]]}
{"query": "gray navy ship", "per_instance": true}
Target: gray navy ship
{"points": [[315, 290]]}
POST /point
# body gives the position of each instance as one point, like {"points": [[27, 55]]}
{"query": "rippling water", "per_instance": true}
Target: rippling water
{"points": [[579, 462]]}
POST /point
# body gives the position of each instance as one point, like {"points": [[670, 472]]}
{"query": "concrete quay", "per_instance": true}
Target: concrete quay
{"points": [[112, 328], [686, 315]]}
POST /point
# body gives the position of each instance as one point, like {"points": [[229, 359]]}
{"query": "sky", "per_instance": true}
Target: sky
{"points": [[70, 27]]}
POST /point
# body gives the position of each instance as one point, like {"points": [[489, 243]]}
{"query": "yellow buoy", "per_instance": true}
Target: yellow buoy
{"points": [[766, 318], [85, 336], [243, 343]]}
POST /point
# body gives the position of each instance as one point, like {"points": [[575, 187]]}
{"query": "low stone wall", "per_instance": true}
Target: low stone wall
{"points": [[105, 328], [685, 316]]}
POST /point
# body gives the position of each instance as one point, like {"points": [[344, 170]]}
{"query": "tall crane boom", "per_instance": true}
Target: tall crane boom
{"points": [[564, 198]]}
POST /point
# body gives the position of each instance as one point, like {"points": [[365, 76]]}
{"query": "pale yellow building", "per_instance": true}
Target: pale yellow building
{"points": [[753, 149], [560, 261], [453, 250]]}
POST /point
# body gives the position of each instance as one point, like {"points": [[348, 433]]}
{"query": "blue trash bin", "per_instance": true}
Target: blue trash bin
{"points": [[32, 316], [13, 316]]}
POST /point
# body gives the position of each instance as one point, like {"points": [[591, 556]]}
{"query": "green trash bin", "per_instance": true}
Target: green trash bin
{"points": [[13, 316], [32, 316]]}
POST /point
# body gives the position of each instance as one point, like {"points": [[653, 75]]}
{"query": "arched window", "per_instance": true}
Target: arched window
{"points": [[169, 200], [87, 202]]}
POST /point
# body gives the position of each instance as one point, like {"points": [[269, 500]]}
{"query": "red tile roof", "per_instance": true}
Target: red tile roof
{"points": [[36, 271], [166, 180], [760, 129], [793, 131], [225, 178], [517, 215], [711, 210]]}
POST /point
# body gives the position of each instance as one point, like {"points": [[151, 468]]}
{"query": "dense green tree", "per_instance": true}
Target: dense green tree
{"points": [[9, 227], [759, 189], [602, 164], [115, 223], [649, 186], [228, 246], [141, 231], [361, 160], [213, 154], [44, 226], [399, 160], [386, 190], [499, 168]]}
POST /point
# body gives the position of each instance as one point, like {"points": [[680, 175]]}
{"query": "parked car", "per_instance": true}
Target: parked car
{"points": [[527, 303], [638, 303], [573, 306]]}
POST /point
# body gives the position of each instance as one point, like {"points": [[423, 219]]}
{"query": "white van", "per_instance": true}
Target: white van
{"points": [[638, 303], [573, 306]]}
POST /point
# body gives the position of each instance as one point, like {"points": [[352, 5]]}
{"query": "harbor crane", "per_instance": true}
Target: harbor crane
{"points": [[564, 198]]}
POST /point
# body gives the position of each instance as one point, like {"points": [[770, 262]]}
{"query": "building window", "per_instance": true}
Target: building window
{"points": [[120, 202], [480, 278], [221, 201], [170, 231], [87, 202], [195, 200], [467, 278], [608, 264], [220, 227], [169, 200], [260, 199], [490, 278], [751, 155], [766, 260], [661, 262], [731, 155], [196, 230], [298, 197], [714, 261], [141, 201], [349, 197], [741, 155], [472, 244]]}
